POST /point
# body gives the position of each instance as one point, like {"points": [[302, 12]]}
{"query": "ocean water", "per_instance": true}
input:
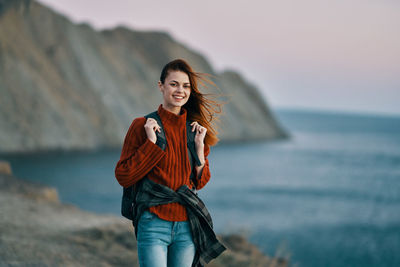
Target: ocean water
{"points": [[328, 196]]}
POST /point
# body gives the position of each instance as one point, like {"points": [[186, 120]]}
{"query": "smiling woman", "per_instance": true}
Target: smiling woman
{"points": [[171, 234], [179, 86], [176, 89]]}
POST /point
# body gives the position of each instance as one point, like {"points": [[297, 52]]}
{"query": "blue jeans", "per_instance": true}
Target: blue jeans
{"points": [[164, 243]]}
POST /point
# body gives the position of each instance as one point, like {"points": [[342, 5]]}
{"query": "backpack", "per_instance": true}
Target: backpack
{"points": [[129, 193]]}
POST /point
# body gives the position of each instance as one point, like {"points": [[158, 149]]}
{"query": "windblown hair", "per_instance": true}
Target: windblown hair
{"points": [[199, 108]]}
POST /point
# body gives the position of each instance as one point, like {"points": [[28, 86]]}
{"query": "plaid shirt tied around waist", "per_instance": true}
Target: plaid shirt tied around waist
{"points": [[151, 194]]}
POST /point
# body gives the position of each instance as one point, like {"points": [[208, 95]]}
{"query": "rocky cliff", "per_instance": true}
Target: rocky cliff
{"points": [[68, 86]]}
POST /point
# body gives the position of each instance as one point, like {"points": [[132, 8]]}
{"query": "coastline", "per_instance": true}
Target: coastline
{"points": [[37, 229]]}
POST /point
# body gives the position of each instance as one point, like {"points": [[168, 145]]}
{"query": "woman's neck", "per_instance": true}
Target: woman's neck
{"points": [[172, 109]]}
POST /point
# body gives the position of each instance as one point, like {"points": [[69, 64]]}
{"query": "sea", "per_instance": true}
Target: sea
{"points": [[329, 195]]}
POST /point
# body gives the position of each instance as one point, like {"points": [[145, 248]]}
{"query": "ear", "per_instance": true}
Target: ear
{"points": [[160, 86]]}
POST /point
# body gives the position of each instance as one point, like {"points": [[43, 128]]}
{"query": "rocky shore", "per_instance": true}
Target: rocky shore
{"points": [[37, 230]]}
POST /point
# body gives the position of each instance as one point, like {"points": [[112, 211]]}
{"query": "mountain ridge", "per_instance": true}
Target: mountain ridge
{"points": [[68, 86]]}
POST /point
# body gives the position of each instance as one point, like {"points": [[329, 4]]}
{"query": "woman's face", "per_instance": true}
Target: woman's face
{"points": [[176, 90]]}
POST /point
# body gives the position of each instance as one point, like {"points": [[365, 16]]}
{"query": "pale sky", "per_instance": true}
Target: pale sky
{"points": [[312, 54]]}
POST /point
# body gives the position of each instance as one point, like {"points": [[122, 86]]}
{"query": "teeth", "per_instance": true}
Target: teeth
{"points": [[180, 97]]}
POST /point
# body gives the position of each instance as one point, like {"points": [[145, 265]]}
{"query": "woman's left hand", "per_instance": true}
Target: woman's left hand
{"points": [[200, 133]]}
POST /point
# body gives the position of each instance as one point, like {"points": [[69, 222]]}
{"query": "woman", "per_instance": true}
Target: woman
{"points": [[164, 235]]}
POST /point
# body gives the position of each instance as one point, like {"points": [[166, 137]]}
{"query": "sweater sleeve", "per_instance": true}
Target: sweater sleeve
{"points": [[139, 155], [205, 172]]}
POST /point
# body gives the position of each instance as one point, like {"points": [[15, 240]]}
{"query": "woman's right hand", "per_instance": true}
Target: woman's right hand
{"points": [[151, 126]]}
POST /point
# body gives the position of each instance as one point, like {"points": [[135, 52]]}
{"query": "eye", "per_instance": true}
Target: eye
{"points": [[172, 84], [187, 86]]}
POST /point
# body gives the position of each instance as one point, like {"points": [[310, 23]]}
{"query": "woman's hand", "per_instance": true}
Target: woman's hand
{"points": [[200, 133], [151, 126], [199, 141]]}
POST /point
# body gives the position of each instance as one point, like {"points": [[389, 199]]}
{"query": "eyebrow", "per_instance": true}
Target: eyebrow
{"points": [[178, 82]]}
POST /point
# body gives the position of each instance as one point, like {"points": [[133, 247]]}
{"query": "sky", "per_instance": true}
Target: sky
{"points": [[341, 55]]}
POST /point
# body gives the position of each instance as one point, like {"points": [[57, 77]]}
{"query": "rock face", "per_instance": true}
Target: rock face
{"points": [[37, 230], [5, 167], [68, 86]]}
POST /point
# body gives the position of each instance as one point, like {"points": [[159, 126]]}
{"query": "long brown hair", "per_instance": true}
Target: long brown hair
{"points": [[199, 108]]}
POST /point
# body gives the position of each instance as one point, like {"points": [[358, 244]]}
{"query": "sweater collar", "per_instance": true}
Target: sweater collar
{"points": [[170, 117]]}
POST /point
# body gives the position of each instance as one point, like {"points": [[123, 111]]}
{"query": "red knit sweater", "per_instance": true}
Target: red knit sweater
{"points": [[141, 157]]}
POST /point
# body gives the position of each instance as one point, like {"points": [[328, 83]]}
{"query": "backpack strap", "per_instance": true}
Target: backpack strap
{"points": [[161, 139], [129, 193], [190, 142], [162, 143]]}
